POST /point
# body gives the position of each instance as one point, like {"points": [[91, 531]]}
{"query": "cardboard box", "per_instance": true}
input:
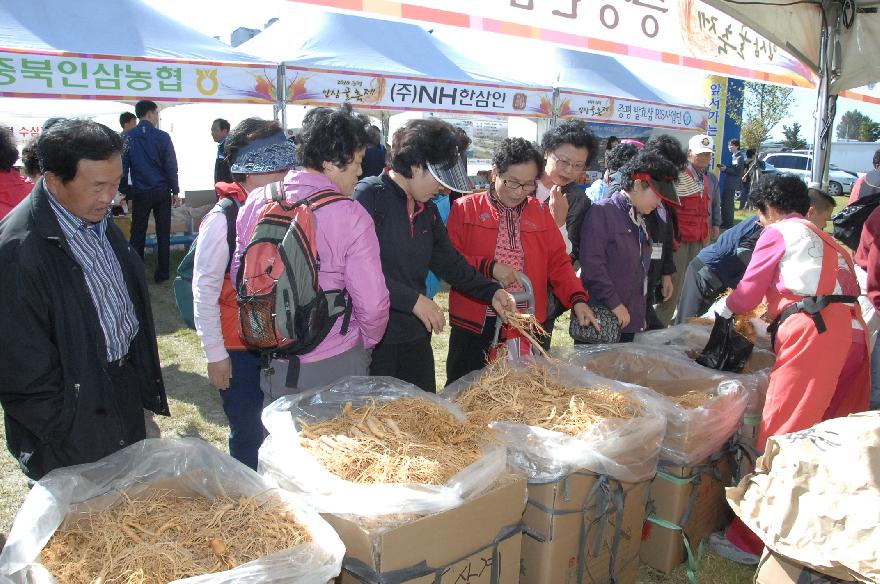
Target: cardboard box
{"points": [[477, 543], [692, 497], [776, 569], [583, 529]]}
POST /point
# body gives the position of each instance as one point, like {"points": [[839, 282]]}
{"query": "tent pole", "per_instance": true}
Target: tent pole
{"points": [[280, 92], [554, 109], [826, 102]]}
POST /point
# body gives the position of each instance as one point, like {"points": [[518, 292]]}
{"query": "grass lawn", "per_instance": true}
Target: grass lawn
{"points": [[196, 410]]}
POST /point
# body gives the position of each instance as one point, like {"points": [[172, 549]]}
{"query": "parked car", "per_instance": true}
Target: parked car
{"points": [[840, 182]]}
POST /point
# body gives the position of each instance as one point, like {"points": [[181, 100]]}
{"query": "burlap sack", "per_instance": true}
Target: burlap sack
{"points": [[815, 497]]}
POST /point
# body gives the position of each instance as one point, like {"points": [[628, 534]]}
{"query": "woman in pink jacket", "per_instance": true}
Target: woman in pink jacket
{"points": [[331, 149]]}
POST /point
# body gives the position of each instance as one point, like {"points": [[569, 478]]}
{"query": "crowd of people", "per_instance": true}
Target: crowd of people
{"points": [[642, 249]]}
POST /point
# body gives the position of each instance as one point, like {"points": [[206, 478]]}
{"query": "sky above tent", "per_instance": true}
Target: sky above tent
{"points": [[221, 17]]}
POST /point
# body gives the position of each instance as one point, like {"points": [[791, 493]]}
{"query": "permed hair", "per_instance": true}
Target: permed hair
{"points": [[574, 132], [244, 133], [513, 151], [784, 192], [649, 161], [331, 135], [61, 147], [669, 148], [419, 142], [29, 158], [620, 155], [8, 149], [821, 200]]}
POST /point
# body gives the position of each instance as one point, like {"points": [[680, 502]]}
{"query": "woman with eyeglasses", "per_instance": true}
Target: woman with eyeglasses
{"points": [[503, 232], [616, 251]]}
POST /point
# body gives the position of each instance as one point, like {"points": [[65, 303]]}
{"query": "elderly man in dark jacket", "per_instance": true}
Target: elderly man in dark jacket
{"points": [[81, 364]]}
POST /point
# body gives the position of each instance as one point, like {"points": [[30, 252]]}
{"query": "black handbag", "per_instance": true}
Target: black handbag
{"points": [[727, 350], [609, 326]]}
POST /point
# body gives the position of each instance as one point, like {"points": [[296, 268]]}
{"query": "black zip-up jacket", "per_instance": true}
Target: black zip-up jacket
{"points": [[409, 250], [57, 396]]}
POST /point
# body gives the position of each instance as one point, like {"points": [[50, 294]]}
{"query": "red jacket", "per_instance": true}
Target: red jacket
{"points": [[693, 214], [868, 256], [13, 189], [473, 230]]}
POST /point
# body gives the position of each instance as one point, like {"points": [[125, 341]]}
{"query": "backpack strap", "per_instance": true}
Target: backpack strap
{"points": [[229, 206], [323, 198], [275, 192]]}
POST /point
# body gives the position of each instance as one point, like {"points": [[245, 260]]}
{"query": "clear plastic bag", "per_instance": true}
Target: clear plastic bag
{"points": [[686, 341], [626, 450], [188, 465], [283, 459], [692, 434]]}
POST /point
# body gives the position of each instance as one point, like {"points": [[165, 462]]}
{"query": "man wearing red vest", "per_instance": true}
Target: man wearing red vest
{"points": [[699, 217]]}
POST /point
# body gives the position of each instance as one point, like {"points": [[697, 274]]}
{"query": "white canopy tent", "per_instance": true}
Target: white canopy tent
{"points": [[838, 39], [121, 50]]}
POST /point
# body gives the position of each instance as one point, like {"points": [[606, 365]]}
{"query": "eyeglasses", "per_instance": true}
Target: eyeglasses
{"points": [[515, 185], [568, 164]]}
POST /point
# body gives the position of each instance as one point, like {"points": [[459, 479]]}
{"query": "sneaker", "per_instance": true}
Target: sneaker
{"points": [[719, 544]]}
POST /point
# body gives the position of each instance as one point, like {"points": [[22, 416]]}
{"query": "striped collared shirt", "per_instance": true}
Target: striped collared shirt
{"points": [[94, 254]]}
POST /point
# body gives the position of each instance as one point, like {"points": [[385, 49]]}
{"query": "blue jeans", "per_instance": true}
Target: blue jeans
{"points": [[243, 404], [875, 376]]}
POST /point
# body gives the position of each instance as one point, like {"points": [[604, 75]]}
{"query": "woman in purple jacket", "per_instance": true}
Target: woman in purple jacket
{"points": [[615, 250], [332, 145]]}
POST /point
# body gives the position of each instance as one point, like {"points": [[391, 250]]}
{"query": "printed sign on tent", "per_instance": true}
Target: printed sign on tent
{"points": [[366, 91], [613, 110], [682, 32], [107, 77]]}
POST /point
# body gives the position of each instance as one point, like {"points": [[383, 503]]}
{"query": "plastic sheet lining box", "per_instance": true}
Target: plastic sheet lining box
{"points": [[583, 529], [776, 569], [685, 505], [476, 543]]}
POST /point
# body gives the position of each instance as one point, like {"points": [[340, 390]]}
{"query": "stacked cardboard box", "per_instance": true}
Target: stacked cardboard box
{"points": [[776, 569], [478, 543], [686, 502], [583, 529]]}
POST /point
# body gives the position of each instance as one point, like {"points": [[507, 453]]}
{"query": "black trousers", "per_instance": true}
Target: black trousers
{"points": [[159, 204], [468, 351], [728, 204], [699, 289], [412, 361]]}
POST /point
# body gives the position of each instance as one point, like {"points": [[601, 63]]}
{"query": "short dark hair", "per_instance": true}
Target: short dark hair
{"points": [[126, 117], [29, 158], [785, 192], [820, 199], [143, 107], [244, 133], [620, 155], [611, 142], [375, 135], [330, 135], [651, 162], [750, 153], [574, 132], [221, 123], [668, 147], [734, 142], [419, 142], [876, 160], [513, 151], [8, 149], [61, 147]]}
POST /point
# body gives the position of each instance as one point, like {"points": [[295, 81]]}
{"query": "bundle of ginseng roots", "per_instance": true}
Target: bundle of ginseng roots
{"points": [[159, 536], [407, 440], [534, 396]]}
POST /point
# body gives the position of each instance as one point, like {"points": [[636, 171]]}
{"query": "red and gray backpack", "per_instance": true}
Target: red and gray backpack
{"points": [[282, 309]]}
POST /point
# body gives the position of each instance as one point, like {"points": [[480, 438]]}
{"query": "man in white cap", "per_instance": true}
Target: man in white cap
{"points": [[699, 217]]}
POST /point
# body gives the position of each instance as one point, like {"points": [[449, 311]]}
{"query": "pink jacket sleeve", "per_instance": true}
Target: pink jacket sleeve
{"points": [[763, 272], [364, 280]]}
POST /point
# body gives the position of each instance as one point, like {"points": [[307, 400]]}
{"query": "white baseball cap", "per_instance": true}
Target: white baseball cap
{"points": [[700, 144]]}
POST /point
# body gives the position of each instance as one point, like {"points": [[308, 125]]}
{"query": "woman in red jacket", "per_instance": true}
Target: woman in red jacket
{"points": [[502, 232], [13, 187]]}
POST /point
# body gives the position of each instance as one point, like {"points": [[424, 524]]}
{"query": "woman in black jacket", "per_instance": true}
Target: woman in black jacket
{"points": [[413, 240]]}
